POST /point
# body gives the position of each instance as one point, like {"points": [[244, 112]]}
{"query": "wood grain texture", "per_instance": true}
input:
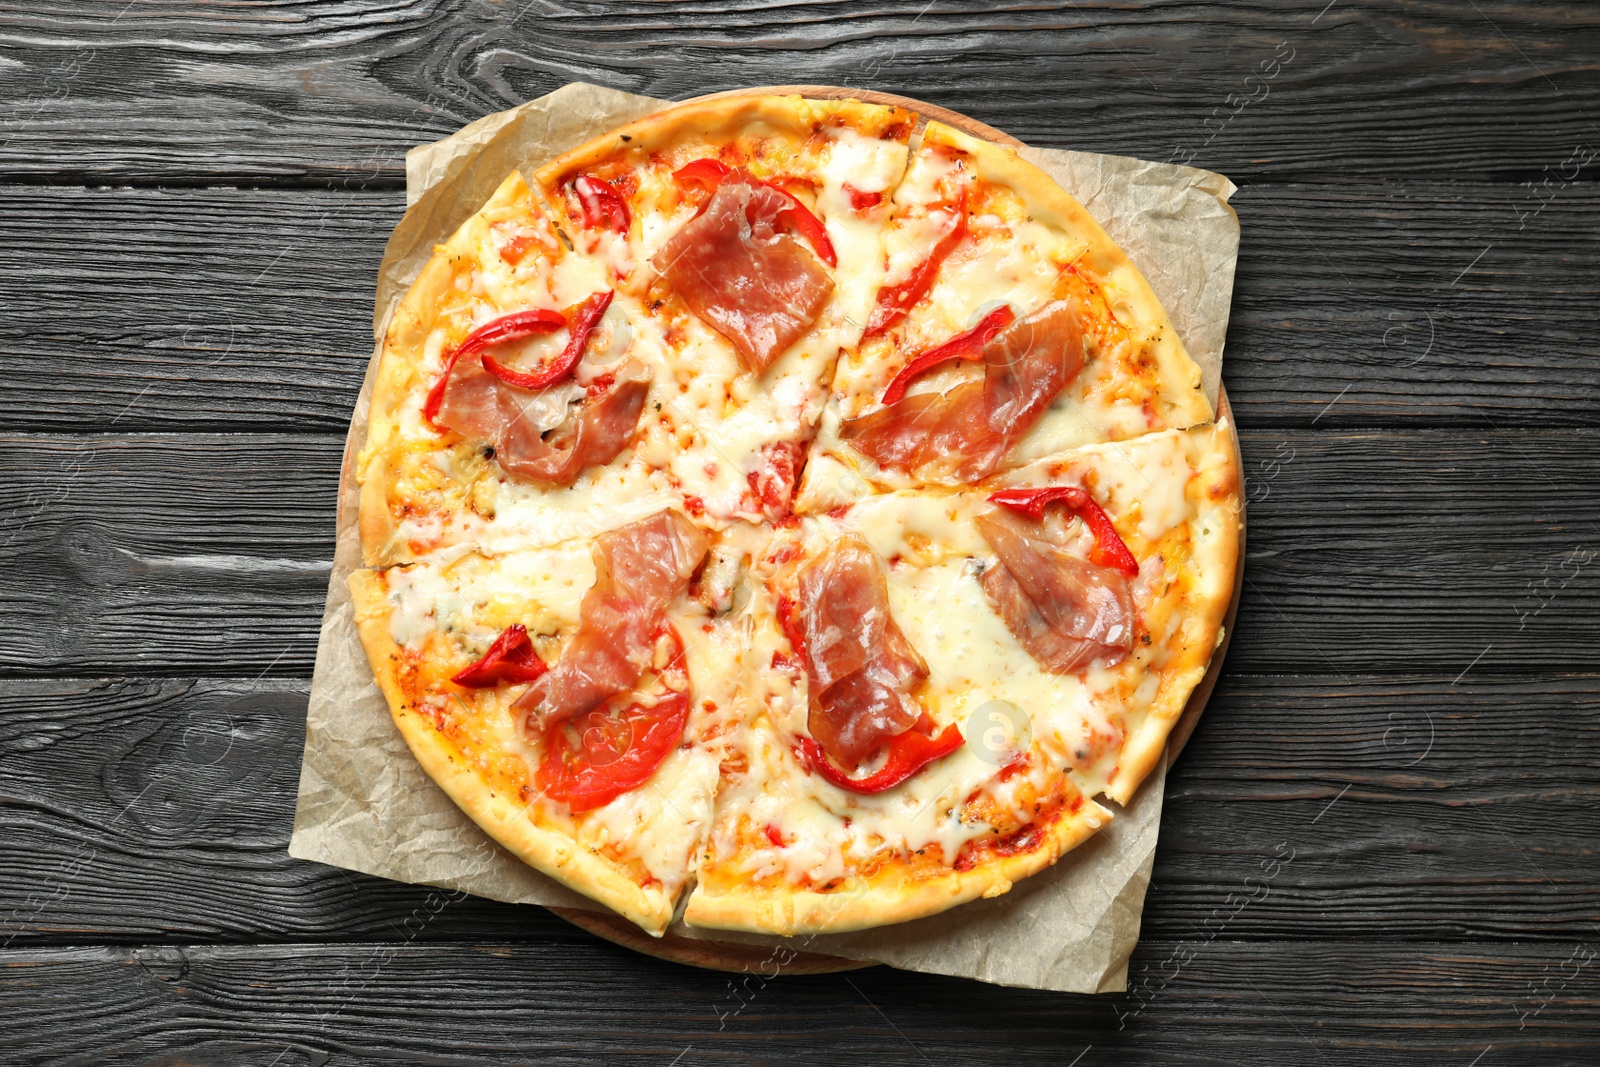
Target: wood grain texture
{"points": [[142, 810], [1355, 306], [336, 91], [448, 1005], [1380, 845], [1376, 551]]}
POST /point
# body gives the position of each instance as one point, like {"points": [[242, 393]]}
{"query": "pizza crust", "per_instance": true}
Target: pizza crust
{"points": [[888, 897], [499, 816], [1130, 295], [401, 377], [1214, 529], [711, 122]]}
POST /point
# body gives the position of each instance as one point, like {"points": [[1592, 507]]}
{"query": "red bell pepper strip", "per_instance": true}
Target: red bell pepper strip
{"points": [[895, 300], [1109, 549], [509, 661], [967, 345], [511, 327], [862, 199], [909, 752], [603, 207], [792, 630], [584, 319], [616, 752], [712, 173]]}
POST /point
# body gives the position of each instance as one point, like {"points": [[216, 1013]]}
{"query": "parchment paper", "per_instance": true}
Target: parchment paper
{"points": [[366, 805]]}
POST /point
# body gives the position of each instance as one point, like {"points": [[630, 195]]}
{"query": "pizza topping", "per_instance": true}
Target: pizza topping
{"points": [[1067, 612], [713, 174], [602, 753], [1109, 549], [861, 667], [908, 753], [967, 345], [895, 300], [594, 436], [861, 199], [538, 435], [757, 287], [584, 318], [966, 432], [515, 249], [511, 327], [603, 207], [639, 570], [511, 660], [773, 477]]}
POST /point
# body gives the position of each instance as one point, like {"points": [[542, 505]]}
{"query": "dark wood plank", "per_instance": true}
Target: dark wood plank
{"points": [[560, 1002], [138, 810], [226, 308], [1362, 306], [338, 91], [1380, 551]]}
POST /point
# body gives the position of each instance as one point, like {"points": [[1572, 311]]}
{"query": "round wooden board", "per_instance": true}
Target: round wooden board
{"points": [[752, 959]]}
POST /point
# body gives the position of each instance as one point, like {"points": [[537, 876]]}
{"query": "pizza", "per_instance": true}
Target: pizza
{"points": [[787, 516]]}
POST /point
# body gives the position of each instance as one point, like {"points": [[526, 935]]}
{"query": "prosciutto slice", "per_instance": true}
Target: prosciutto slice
{"points": [[595, 435], [759, 288], [1067, 612], [965, 433], [639, 570], [544, 443], [861, 666]]}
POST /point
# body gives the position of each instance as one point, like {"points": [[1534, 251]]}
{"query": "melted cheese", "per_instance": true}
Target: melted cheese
{"points": [[705, 425]]}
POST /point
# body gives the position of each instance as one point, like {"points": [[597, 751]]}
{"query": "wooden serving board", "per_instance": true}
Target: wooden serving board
{"points": [[756, 959]]}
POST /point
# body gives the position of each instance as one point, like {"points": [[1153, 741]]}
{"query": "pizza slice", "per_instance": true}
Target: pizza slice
{"points": [[1010, 327], [512, 403], [745, 237], [940, 684], [569, 699]]}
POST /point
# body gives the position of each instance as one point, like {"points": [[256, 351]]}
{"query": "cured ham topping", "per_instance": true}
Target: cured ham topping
{"points": [[597, 756], [639, 570], [511, 327], [751, 283], [596, 435], [966, 432], [861, 667], [967, 345], [529, 417], [1067, 612], [713, 174], [509, 661], [895, 300], [1109, 549]]}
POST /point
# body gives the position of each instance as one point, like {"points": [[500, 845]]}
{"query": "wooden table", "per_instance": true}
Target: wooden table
{"points": [[195, 198]]}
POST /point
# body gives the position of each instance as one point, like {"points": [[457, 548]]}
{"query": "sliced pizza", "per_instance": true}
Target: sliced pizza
{"points": [[511, 400], [568, 699], [939, 685], [1009, 327], [747, 237]]}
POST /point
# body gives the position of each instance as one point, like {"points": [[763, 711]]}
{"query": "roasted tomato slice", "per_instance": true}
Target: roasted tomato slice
{"points": [[593, 758]]}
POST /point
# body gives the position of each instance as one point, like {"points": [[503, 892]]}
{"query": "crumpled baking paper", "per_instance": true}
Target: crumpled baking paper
{"points": [[366, 805]]}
